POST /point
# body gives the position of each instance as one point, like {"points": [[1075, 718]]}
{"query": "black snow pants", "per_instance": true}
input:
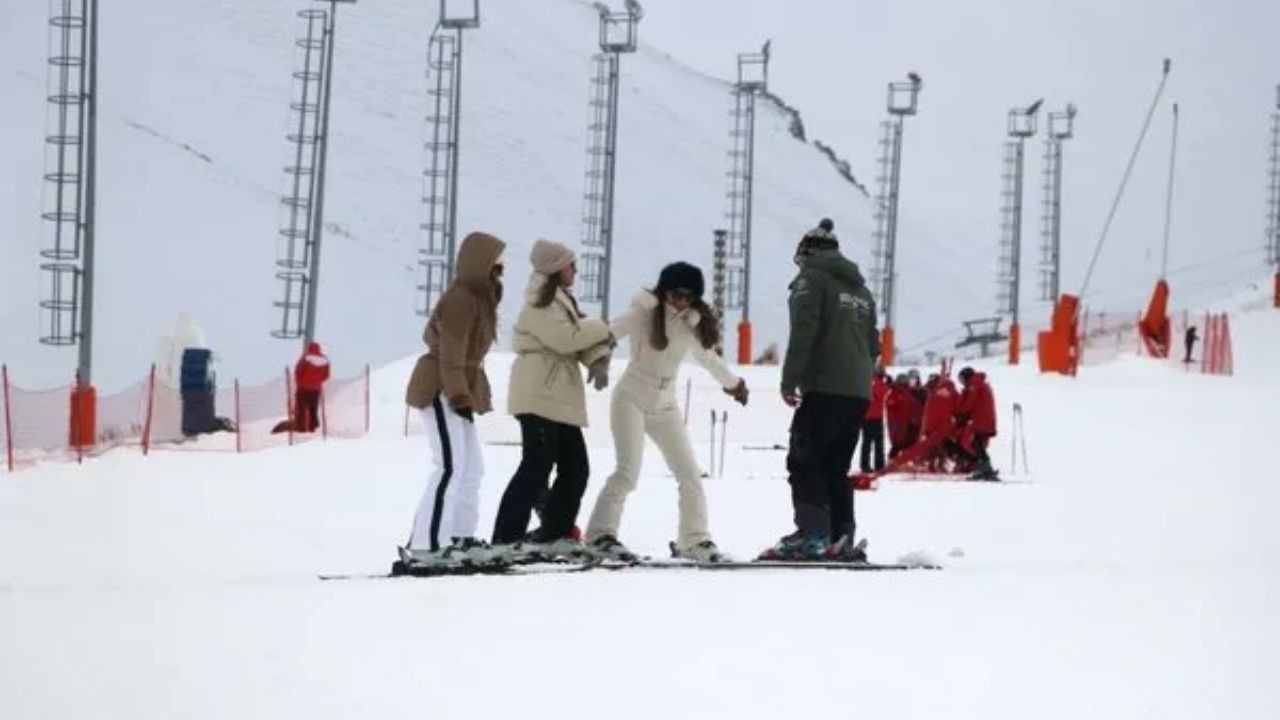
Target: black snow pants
{"points": [[872, 444], [308, 411], [824, 433], [546, 444]]}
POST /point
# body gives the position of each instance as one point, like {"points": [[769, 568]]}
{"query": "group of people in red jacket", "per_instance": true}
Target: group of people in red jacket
{"points": [[945, 428]]}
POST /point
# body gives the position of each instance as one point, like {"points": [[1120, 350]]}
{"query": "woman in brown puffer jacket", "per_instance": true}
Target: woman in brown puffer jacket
{"points": [[449, 387]]}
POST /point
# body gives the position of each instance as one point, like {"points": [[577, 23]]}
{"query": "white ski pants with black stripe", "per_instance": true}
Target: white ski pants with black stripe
{"points": [[450, 507]]}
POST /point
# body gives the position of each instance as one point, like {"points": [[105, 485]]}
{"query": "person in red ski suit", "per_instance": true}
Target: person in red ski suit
{"points": [[309, 375], [939, 412], [873, 425], [902, 409], [976, 412]]}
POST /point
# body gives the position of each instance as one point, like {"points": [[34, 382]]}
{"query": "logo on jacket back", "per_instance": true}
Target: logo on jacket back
{"points": [[860, 305]]}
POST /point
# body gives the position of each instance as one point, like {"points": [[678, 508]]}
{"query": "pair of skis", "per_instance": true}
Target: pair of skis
{"points": [[403, 569]]}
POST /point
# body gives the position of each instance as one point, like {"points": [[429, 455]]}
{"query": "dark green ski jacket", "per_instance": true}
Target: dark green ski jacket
{"points": [[834, 341]]}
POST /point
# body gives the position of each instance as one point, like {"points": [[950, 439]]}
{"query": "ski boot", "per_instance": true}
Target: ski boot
{"points": [[539, 546], [846, 550], [607, 547], [987, 474], [797, 547], [702, 552]]}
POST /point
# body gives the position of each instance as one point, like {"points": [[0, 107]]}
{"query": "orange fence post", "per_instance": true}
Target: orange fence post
{"points": [[151, 398], [1276, 299], [84, 413], [1015, 343], [288, 402], [744, 343], [886, 346], [8, 418]]}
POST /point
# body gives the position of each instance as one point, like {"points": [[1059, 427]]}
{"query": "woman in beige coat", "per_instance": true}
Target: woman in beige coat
{"points": [[665, 325], [552, 339]]}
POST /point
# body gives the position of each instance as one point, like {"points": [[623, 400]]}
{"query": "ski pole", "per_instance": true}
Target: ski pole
{"points": [[724, 438], [688, 392], [713, 443], [1013, 442], [1026, 462]]}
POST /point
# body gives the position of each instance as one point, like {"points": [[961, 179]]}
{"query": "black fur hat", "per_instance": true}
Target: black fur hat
{"points": [[680, 276]]}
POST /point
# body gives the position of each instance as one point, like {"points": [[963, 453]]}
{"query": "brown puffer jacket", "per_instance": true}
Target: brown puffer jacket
{"points": [[460, 331]]}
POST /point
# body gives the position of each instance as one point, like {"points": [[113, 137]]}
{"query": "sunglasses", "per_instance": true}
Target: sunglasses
{"points": [[684, 295]]}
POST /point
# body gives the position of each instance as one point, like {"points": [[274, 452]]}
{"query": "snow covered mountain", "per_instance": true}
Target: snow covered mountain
{"points": [[193, 116]]}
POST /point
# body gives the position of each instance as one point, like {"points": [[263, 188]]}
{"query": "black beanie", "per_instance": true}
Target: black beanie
{"points": [[680, 276]]}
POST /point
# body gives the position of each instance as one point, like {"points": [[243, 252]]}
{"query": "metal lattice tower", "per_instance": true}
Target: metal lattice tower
{"points": [[753, 80], [69, 188], [903, 101], [1273, 191], [720, 252], [1061, 128], [619, 33], [1021, 126], [440, 180], [298, 253]]}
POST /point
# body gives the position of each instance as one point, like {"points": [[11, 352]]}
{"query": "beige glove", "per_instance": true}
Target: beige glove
{"points": [[598, 373], [738, 392]]}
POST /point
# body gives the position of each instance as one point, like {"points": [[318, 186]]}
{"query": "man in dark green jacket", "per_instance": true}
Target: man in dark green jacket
{"points": [[827, 377]]}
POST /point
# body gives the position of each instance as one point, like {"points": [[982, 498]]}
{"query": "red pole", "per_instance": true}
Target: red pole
{"points": [[237, 386], [324, 414], [288, 402], [151, 398], [75, 420], [8, 418], [366, 400]]}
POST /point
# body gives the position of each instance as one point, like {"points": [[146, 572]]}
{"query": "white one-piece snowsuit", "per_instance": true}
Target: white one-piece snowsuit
{"points": [[644, 403]]}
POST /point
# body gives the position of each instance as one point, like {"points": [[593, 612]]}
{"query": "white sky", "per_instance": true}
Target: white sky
{"points": [[833, 58]]}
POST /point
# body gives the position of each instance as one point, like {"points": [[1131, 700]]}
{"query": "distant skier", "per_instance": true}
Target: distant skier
{"points": [[310, 375], [665, 325], [1190, 341], [976, 413], [905, 413], [552, 338], [939, 418], [450, 388], [873, 425], [826, 376]]}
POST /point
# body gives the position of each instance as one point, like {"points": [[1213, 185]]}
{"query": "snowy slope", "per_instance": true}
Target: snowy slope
{"points": [[1133, 577], [194, 112]]}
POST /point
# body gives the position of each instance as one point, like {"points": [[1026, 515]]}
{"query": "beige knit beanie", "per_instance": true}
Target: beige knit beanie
{"points": [[550, 257]]}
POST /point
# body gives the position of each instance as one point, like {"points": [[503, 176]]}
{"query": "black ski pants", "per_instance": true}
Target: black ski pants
{"points": [[872, 444], [824, 433], [308, 411], [545, 444]]}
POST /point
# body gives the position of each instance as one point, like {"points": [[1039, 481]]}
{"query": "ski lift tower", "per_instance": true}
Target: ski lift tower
{"points": [[440, 180], [1021, 126], [619, 33], [298, 252], [1061, 128], [903, 102], [69, 199], [753, 80], [1273, 197]]}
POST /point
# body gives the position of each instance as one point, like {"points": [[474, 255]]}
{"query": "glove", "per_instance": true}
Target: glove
{"points": [[461, 405], [791, 398], [738, 392], [598, 374]]}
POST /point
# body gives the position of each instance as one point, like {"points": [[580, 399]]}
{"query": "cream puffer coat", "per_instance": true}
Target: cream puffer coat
{"points": [[550, 343], [649, 379]]}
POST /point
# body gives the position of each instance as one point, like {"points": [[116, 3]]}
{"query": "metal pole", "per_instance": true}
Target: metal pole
{"points": [[85, 371], [1168, 200], [317, 227], [1016, 260], [611, 155], [1056, 240], [455, 131], [891, 239], [1124, 179], [749, 189]]}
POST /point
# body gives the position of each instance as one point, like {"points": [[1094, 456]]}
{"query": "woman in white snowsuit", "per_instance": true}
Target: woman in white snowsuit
{"points": [[664, 325], [551, 339]]}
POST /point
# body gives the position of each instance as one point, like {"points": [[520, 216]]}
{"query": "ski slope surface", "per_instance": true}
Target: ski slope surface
{"points": [[1130, 574]]}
